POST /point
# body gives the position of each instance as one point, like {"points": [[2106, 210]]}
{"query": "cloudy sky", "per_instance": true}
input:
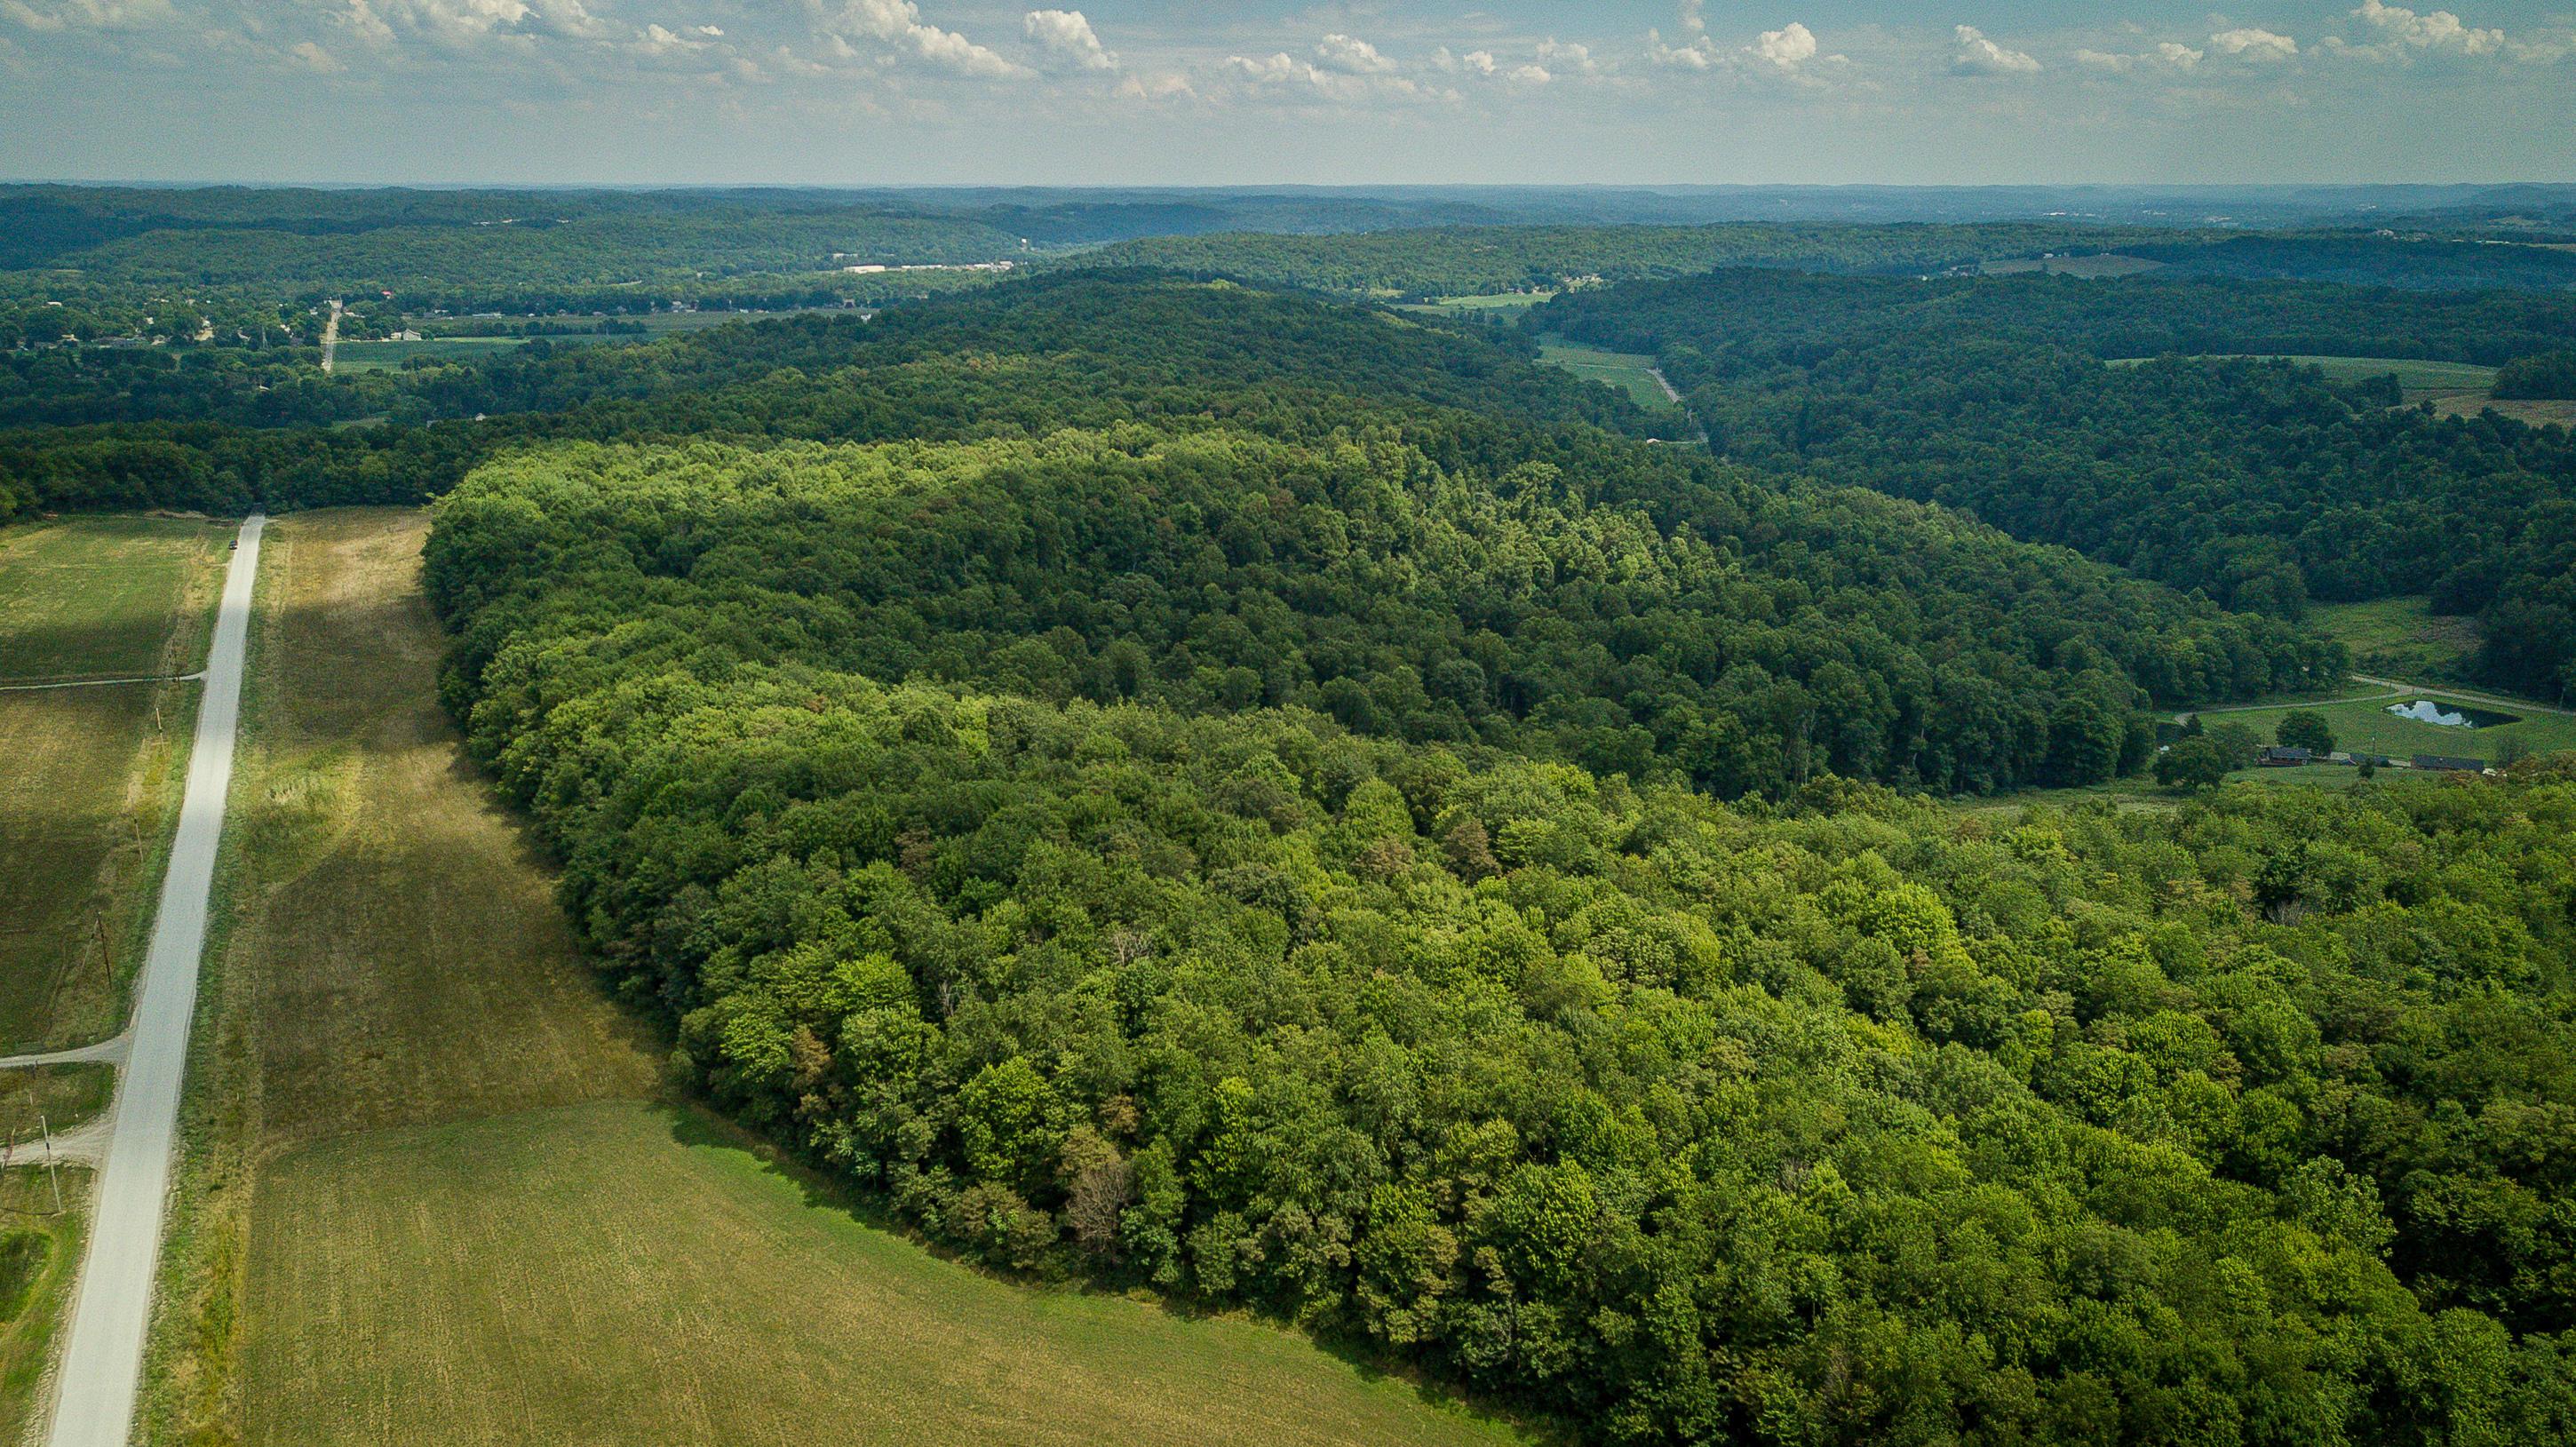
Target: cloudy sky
{"points": [[1168, 91]]}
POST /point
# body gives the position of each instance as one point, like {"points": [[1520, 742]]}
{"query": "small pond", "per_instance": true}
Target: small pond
{"points": [[2450, 715]]}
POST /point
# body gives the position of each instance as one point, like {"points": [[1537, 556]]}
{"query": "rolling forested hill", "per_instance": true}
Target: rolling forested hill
{"points": [[2262, 484], [1087, 845], [1279, 804]]}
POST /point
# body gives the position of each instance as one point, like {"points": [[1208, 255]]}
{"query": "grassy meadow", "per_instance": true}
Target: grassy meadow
{"points": [[1630, 372], [432, 1191], [1500, 306], [2400, 637], [93, 771], [625, 1273]]}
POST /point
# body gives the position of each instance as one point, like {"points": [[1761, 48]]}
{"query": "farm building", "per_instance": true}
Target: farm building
{"points": [[2444, 764]]}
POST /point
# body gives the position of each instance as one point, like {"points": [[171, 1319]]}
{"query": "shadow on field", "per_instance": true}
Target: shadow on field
{"points": [[59, 652]]}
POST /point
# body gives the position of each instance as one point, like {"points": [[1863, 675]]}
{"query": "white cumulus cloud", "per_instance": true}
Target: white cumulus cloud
{"points": [[52, 15], [1789, 51], [2440, 30], [1067, 40], [2168, 55], [1352, 56], [1786, 48], [1977, 55], [898, 24], [2254, 43]]}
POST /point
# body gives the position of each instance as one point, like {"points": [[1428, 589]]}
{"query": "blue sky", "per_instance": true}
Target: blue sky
{"points": [[1162, 92]]}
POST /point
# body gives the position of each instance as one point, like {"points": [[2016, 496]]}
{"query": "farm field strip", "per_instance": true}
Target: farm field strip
{"points": [[94, 767]]}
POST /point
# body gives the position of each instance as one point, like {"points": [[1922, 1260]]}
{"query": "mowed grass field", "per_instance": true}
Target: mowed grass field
{"points": [[39, 1251], [2364, 725], [432, 1192], [92, 772], [1630, 372]]}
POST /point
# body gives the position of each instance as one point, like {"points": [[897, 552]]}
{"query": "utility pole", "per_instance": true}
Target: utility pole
{"points": [[53, 1172]]}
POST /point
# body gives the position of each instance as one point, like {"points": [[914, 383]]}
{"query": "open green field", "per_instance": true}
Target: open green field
{"points": [[2399, 637], [621, 1273], [2364, 725], [381, 356], [39, 1250], [2418, 379], [1630, 372], [99, 597], [1491, 304], [431, 1192], [93, 771]]}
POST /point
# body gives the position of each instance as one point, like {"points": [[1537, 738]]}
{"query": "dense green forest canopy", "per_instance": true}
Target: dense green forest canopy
{"points": [[2542, 374], [2260, 483], [1290, 805], [1844, 1121], [136, 429], [1669, 619], [1459, 261]]}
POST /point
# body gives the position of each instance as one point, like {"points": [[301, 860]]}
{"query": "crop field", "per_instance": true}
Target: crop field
{"points": [[1630, 372], [431, 1192], [93, 771], [38, 1251], [2365, 725]]}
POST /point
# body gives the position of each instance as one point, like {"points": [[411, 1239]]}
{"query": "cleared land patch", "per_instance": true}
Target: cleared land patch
{"points": [[430, 1195], [2364, 725], [2399, 637], [1630, 372]]}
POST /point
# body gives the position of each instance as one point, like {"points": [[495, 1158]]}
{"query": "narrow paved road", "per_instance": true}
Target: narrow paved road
{"points": [[103, 1360], [331, 337]]}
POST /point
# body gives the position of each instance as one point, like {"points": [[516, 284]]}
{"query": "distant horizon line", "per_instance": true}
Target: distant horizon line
{"points": [[1956, 187]]}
